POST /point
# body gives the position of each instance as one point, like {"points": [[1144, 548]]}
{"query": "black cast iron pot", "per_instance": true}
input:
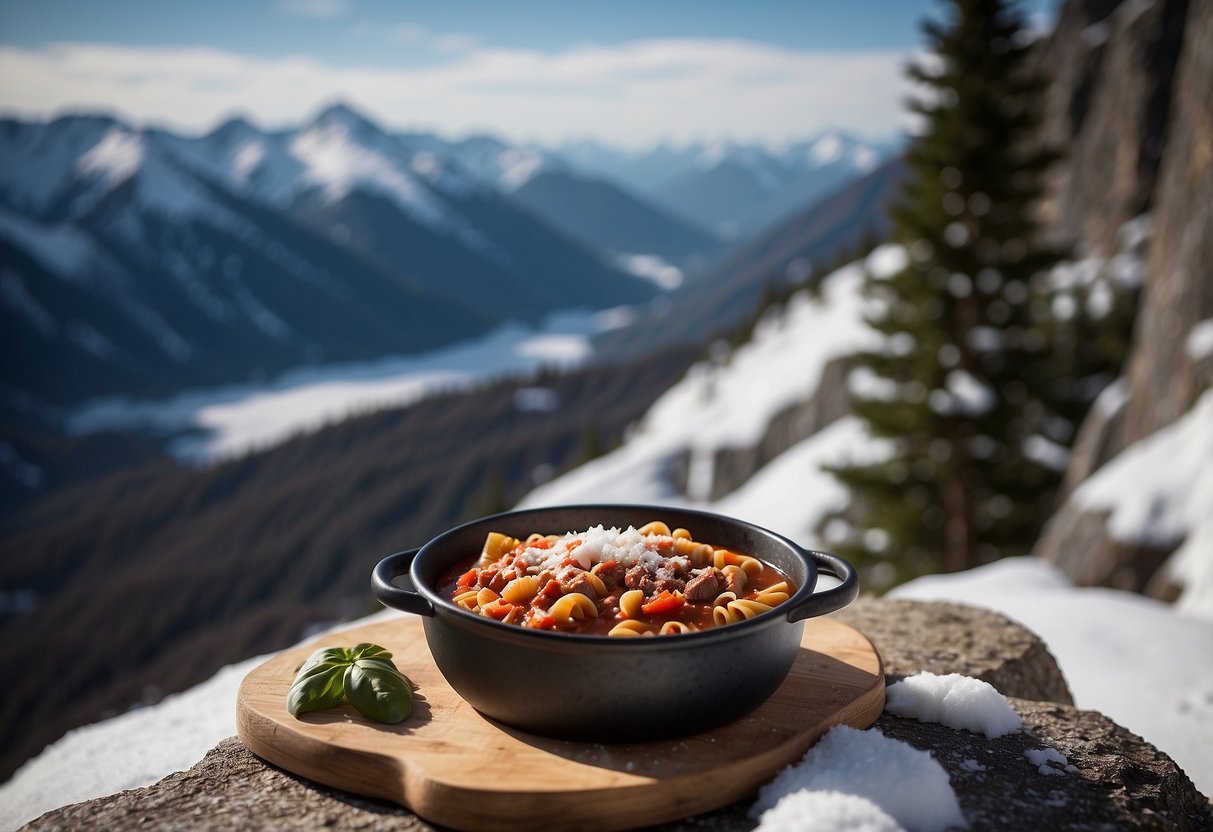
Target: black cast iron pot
{"points": [[592, 687]]}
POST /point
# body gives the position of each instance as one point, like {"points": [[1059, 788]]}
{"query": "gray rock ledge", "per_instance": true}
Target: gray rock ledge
{"points": [[1117, 779]]}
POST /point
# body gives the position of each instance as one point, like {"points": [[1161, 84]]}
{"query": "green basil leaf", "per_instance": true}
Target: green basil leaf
{"points": [[378, 691], [326, 654], [371, 651], [317, 687]]}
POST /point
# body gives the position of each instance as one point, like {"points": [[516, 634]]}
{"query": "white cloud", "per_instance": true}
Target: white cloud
{"points": [[633, 93], [417, 34], [313, 8]]}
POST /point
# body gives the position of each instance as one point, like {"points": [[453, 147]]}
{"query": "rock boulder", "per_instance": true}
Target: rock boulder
{"points": [[1115, 779]]}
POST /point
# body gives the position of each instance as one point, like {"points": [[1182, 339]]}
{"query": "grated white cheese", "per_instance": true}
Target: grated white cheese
{"points": [[598, 544]]}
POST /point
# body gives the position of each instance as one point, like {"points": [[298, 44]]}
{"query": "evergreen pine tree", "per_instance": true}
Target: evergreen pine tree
{"points": [[960, 386]]}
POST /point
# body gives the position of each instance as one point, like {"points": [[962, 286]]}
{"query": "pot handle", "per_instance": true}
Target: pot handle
{"points": [[820, 603], [393, 596]]}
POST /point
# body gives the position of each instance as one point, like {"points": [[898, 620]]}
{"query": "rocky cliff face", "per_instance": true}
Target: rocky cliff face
{"points": [[1112, 66], [1138, 106], [1165, 376]]}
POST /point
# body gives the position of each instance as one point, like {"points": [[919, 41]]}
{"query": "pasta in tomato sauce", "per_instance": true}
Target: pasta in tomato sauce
{"points": [[625, 583]]}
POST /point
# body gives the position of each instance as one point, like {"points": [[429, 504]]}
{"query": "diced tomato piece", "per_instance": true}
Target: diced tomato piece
{"points": [[608, 565], [537, 619], [569, 560], [542, 543], [467, 579], [553, 589], [573, 544], [664, 604], [499, 610]]}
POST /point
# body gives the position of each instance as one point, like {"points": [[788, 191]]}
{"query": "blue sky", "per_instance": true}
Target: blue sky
{"points": [[629, 72]]}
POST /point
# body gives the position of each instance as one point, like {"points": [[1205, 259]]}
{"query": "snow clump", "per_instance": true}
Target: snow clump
{"points": [[955, 701], [806, 811], [1042, 758], [907, 784]]}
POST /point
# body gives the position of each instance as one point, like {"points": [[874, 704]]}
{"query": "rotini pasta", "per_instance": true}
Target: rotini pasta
{"points": [[628, 629], [573, 605], [738, 610], [520, 589], [673, 628], [630, 603]]}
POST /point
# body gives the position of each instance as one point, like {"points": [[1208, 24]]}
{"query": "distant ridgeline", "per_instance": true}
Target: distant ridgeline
{"points": [[141, 261], [138, 261]]}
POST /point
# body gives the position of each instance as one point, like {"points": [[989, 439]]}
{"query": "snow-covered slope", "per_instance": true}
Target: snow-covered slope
{"points": [[729, 403], [1159, 491]]}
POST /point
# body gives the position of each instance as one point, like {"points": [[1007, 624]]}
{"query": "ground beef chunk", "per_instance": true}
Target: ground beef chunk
{"points": [[579, 583], [611, 576], [670, 584], [703, 588], [635, 576], [733, 582], [667, 580]]}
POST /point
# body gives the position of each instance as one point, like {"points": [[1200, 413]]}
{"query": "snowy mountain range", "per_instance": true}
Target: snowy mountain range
{"points": [[734, 188], [143, 261], [140, 261]]}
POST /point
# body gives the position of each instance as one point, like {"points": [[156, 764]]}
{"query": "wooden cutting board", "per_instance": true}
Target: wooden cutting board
{"points": [[455, 767]]}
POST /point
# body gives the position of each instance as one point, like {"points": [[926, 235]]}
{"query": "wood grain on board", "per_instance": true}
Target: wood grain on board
{"points": [[453, 766]]}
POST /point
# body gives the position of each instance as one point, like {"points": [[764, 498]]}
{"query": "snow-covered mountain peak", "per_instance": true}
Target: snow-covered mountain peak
{"points": [[864, 158], [233, 132], [443, 173], [711, 155], [825, 150], [38, 161], [834, 148], [164, 188], [341, 125], [489, 161], [752, 161], [751, 157], [162, 185], [344, 117], [115, 158], [519, 165], [339, 157]]}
